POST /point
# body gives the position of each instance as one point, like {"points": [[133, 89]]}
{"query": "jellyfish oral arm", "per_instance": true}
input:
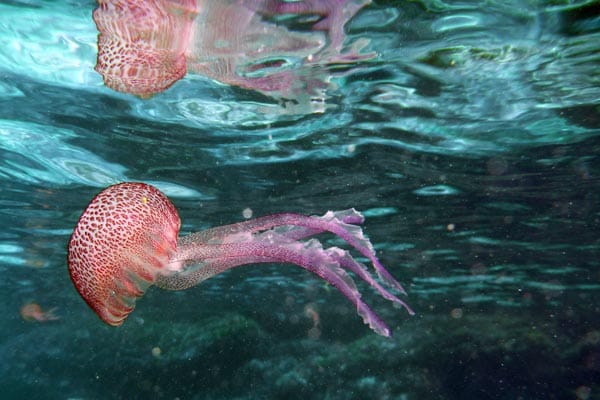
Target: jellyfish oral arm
{"points": [[286, 229], [214, 259]]}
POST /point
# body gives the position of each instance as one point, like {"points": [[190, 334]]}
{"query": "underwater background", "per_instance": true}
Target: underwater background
{"points": [[470, 140]]}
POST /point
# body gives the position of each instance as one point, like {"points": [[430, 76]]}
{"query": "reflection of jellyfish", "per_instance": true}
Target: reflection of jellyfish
{"points": [[280, 48], [127, 239], [34, 312]]}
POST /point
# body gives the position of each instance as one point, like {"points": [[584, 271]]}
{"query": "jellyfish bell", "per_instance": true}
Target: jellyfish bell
{"points": [[124, 239], [127, 240]]}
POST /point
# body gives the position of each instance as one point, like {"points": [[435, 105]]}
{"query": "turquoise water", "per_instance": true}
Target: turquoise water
{"points": [[469, 139]]}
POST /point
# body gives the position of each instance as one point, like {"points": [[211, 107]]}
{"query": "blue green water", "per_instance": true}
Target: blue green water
{"points": [[470, 142]]}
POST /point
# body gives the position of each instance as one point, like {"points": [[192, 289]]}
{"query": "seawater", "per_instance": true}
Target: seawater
{"points": [[470, 142]]}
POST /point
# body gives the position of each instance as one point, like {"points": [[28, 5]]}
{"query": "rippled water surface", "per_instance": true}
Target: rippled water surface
{"points": [[468, 134]]}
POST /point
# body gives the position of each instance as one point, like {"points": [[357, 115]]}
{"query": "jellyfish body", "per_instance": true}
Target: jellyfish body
{"points": [[123, 240], [126, 240], [34, 312]]}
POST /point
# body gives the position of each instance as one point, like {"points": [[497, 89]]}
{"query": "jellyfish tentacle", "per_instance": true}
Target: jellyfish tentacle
{"points": [[258, 224], [311, 256], [281, 231], [197, 272], [343, 257], [347, 261], [205, 269], [341, 223]]}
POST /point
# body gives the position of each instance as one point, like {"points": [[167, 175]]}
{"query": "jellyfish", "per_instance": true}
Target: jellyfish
{"points": [[282, 49], [34, 312], [127, 239]]}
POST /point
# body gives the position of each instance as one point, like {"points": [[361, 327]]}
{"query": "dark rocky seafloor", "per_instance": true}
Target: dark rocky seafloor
{"points": [[431, 356]]}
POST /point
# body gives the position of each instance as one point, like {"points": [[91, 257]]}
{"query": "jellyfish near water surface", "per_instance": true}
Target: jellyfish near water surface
{"points": [[127, 240]]}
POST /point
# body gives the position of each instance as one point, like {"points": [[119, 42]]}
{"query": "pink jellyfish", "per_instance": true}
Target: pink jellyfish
{"points": [[146, 46], [34, 312], [127, 240]]}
